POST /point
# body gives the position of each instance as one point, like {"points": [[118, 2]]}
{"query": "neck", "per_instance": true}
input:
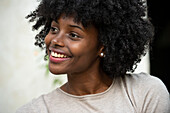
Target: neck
{"points": [[89, 82]]}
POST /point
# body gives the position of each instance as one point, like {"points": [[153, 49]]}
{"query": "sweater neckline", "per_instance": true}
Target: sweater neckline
{"points": [[88, 95]]}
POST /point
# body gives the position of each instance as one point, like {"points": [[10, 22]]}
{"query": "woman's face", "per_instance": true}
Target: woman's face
{"points": [[71, 47]]}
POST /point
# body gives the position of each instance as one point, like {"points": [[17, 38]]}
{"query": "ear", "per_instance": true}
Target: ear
{"points": [[101, 52]]}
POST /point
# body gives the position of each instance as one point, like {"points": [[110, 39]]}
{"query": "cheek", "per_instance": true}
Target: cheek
{"points": [[47, 40], [83, 59], [84, 51]]}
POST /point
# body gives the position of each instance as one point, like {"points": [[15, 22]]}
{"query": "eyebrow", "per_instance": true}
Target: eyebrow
{"points": [[76, 27]]}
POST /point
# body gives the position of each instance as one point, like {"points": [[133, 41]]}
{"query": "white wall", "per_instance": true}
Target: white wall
{"points": [[22, 71], [22, 75]]}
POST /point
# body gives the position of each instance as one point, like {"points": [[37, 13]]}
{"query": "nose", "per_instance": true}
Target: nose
{"points": [[58, 41]]}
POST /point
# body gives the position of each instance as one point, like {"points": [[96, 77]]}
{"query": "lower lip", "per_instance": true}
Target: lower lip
{"points": [[58, 60]]}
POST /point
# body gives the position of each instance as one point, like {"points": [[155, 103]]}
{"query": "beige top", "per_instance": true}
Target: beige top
{"points": [[136, 93]]}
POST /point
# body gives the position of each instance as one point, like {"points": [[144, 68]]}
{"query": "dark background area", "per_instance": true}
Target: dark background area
{"points": [[159, 12]]}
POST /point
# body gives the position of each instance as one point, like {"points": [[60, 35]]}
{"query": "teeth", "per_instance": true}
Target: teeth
{"points": [[57, 55]]}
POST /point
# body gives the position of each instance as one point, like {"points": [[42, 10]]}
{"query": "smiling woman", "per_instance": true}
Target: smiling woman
{"points": [[67, 38], [96, 43]]}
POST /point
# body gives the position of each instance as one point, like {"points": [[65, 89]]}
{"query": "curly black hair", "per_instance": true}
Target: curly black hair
{"points": [[123, 30]]}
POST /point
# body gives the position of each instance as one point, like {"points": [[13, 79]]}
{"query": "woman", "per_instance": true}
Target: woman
{"points": [[95, 42]]}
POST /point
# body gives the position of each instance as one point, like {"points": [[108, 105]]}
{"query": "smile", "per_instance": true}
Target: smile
{"points": [[58, 55]]}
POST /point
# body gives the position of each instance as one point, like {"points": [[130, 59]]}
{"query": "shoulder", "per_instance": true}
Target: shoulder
{"points": [[144, 80], [146, 83], [149, 92], [32, 106], [37, 105]]}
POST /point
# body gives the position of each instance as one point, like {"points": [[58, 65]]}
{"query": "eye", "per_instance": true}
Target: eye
{"points": [[54, 30], [74, 35]]}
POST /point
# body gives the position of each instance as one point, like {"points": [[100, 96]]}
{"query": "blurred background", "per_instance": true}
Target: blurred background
{"points": [[23, 72], [158, 11]]}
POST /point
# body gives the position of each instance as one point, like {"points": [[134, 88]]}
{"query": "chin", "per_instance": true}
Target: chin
{"points": [[55, 72]]}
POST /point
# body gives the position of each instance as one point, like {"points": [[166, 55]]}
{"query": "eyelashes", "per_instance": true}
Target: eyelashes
{"points": [[72, 34], [54, 30]]}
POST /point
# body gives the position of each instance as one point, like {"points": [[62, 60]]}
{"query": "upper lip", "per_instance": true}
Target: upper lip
{"points": [[58, 51]]}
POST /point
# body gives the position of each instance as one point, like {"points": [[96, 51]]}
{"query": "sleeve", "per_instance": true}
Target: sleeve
{"points": [[156, 96], [35, 106], [27, 108]]}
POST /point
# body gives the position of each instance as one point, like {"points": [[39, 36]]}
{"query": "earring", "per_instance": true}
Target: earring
{"points": [[102, 54]]}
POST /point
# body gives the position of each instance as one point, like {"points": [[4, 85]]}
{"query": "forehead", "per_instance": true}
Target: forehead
{"points": [[71, 19], [67, 21], [74, 17]]}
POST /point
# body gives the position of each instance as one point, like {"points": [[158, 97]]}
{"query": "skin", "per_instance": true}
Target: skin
{"points": [[83, 69]]}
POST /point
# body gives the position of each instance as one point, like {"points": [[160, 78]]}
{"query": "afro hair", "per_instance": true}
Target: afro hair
{"points": [[123, 30]]}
